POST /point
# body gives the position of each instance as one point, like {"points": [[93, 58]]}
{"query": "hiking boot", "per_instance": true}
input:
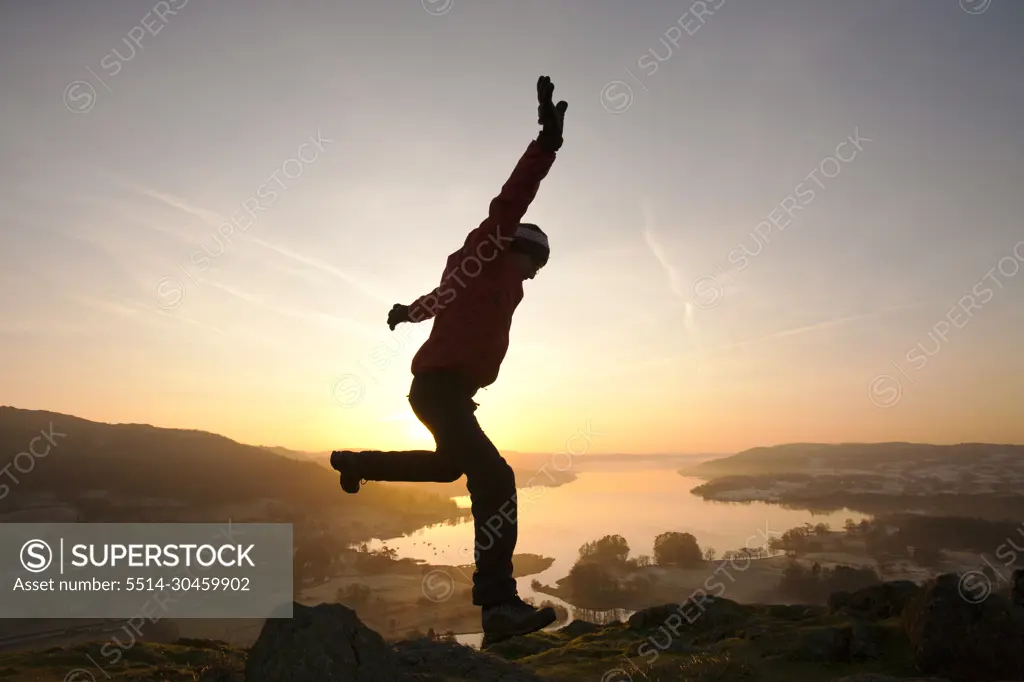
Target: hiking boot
{"points": [[345, 464], [513, 618]]}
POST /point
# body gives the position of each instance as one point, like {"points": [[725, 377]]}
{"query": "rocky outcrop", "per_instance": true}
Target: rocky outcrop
{"points": [[710, 614], [328, 643], [848, 643], [954, 634], [944, 628], [578, 628], [876, 602], [325, 642], [653, 617]]}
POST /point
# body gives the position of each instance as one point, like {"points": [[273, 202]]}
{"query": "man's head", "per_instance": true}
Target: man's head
{"points": [[530, 249]]}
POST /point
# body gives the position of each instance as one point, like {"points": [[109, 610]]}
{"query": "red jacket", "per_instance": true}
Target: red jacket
{"points": [[480, 287]]}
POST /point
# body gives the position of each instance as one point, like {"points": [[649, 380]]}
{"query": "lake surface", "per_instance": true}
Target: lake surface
{"points": [[636, 504]]}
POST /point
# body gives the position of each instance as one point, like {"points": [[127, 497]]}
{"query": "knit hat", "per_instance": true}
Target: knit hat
{"points": [[532, 241]]}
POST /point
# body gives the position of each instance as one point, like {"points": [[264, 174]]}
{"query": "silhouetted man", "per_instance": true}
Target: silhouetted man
{"points": [[472, 310]]}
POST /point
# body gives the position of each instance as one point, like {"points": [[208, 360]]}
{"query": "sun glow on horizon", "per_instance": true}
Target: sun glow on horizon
{"points": [[685, 308]]}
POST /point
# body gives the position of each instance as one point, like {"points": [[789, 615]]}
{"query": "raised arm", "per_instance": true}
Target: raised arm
{"points": [[508, 208], [423, 308]]}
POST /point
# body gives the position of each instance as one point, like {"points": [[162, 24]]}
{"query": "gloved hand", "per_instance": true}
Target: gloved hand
{"points": [[399, 313], [551, 117]]}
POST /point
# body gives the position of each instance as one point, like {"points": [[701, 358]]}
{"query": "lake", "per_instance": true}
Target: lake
{"points": [[636, 504]]}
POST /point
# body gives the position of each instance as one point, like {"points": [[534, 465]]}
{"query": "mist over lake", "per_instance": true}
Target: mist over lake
{"points": [[636, 504]]}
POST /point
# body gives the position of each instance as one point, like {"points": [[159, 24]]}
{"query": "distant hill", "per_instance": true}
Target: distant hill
{"points": [[810, 457], [321, 458], [129, 464]]}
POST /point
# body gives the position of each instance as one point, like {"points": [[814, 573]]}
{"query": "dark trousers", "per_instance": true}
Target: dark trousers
{"points": [[443, 401]]}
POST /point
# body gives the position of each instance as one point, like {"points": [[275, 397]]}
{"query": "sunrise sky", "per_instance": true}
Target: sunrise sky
{"points": [[673, 316]]}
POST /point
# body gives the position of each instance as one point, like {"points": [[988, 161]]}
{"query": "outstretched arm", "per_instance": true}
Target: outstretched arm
{"points": [[423, 308], [508, 208]]}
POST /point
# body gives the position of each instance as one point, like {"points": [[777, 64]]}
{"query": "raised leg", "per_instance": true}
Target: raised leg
{"points": [[411, 466]]}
